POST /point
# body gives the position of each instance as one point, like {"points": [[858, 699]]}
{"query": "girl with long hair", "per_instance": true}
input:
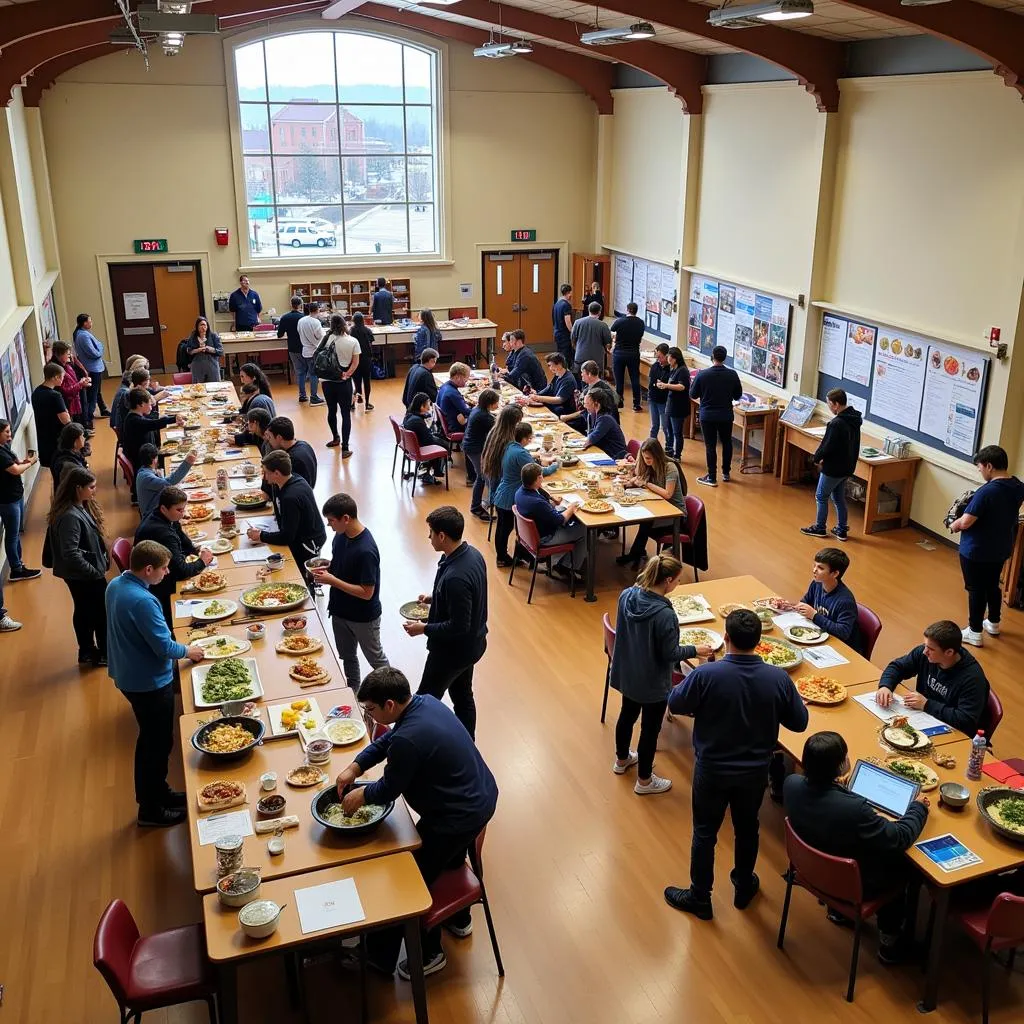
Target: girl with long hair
{"points": [[661, 475], [364, 372], [251, 377], [70, 452], [205, 349], [678, 409], [339, 392], [427, 334]]}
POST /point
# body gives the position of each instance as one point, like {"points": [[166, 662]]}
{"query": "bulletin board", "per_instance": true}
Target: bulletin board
{"points": [[753, 327], [919, 387], [652, 286]]}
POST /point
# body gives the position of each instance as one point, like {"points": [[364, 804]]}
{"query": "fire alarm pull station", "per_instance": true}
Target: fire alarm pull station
{"points": [[994, 334], [221, 234]]}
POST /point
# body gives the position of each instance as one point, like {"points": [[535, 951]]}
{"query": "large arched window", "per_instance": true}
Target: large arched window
{"points": [[339, 143]]}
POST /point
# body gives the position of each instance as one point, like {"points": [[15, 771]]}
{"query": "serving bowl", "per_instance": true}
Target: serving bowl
{"points": [[330, 796], [246, 883], [252, 725], [988, 796], [294, 624], [259, 918], [953, 794]]}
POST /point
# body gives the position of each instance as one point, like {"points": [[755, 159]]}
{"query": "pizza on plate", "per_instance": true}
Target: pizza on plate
{"points": [[221, 794], [821, 690]]}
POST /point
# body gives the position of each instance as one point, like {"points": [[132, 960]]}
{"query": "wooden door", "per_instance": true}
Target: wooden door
{"points": [[177, 296], [537, 287], [136, 317], [501, 289]]}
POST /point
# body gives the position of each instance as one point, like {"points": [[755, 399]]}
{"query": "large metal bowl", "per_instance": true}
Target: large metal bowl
{"points": [[988, 796], [330, 796], [273, 609], [252, 725]]}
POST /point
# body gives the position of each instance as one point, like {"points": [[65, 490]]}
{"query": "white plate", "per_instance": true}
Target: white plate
{"points": [[200, 672], [331, 723], [202, 495], [816, 639], [200, 615], [700, 612], [208, 642], [716, 638], [274, 713], [221, 546]]}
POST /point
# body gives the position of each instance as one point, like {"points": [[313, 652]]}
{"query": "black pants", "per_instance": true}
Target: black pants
{"points": [[981, 581], [651, 716], [439, 852], [713, 433], [504, 524], [650, 528], [90, 615], [451, 670], [713, 794], [620, 364], [100, 403], [154, 711], [362, 377], [339, 395]]}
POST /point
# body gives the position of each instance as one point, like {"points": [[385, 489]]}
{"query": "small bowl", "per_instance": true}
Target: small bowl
{"points": [[255, 631], [233, 708], [259, 918], [317, 563], [294, 623], [952, 794], [318, 751], [275, 560], [271, 806], [248, 888]]}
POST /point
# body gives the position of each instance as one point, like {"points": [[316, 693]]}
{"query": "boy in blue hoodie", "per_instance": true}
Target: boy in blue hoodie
{"points": [[829, 603]]}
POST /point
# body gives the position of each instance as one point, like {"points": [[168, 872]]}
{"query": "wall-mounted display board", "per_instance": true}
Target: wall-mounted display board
{"points": [[652, 286], [921, 388], [751, 326], [48, 316]]}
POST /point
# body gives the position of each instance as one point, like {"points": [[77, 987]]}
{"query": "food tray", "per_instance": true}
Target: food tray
{"points": [[710, 637], [278, 728], [200, 672], [299, 600], [794, 659], [691, 608]]}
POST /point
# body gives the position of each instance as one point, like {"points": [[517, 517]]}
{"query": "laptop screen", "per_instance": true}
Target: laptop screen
{"points": [[883, 789]]}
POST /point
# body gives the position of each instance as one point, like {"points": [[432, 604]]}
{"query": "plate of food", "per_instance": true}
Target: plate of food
{"points": [[306, 775], [228, 738], [701, 638], [342, 732], [212, 611], [169, 446], [249, 499], [280, 597], [417, 611], [560, 486], [194, 479], [778, 653], [725, 610], [193, 532], [772, 604], [197, 513], [691, 608], [299, 643], [309, 672], [226, 679], [1003, 808], [577, 444], [915, 771], [597, 506], [821, 690], [300, 714], [200, 495], [209, 581], [221, 546], [221, 794], [901, 735], [216, 647], [805, 634]]}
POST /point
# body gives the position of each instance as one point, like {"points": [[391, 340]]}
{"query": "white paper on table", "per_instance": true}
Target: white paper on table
{"points": [[591, 457], [241, 484], [174, 435], [824, 657], [570, 498], [816, 431], [183, 609], [262, 523], [632, 512], [331, 905], [257, 554], [786, 619], [920, 720], [230, 823]]}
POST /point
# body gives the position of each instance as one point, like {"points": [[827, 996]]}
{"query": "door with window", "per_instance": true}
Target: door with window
{"points": [[519, 291]]}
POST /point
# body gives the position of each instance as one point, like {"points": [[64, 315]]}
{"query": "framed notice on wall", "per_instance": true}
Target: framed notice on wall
{"points": [[653, 287]]}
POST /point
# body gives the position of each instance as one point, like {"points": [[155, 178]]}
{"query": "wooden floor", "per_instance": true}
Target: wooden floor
{"points": [[576, 863]]}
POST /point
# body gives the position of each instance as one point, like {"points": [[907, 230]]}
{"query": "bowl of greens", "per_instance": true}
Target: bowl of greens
{"points": [[224, 680]]}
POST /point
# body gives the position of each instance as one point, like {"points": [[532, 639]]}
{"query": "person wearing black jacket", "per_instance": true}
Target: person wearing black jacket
{"points": [[416, 421], [420, 379], [163, 525], [288, 326], [139, 427], [526, 369], [364, 371], [456, 628], [280, 436], [627, 333], [827, 816], [299, 524], [70, 446], [951, 685], [678, 388], [478, 426], [717, 386], [836, 459], [657, 396], [383, 304]]}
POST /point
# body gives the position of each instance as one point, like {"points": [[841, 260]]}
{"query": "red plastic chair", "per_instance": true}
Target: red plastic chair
{"points": [[117, 448], [993, 714], [836, 882], [121, 552], [869, 625], [609, 649], [153, 971], [453, 437], [633, 448], [993, 927], [182, 378], [428, 453], [397, 428], [459, 888], [529, 538], [127, 470], [687, 530]]}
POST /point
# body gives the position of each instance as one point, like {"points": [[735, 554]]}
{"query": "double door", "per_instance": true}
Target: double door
{"points": [[519, 291]]}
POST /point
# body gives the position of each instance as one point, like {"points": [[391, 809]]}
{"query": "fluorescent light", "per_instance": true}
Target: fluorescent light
{"points": [[495, 50], [611, 36], [521, 46], [752, 15], [641, 30], [174, 6]]}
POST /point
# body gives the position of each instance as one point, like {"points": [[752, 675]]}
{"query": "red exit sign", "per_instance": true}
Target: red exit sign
{"points": [[524, 235]]}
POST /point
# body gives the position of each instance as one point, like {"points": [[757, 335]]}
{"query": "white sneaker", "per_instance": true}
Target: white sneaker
{"points": [[621, 769], [972, 638], [438, 963], [992, 628], [656, 785], [8, 625]]}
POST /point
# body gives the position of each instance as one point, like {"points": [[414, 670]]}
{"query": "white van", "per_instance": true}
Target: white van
{"points": [[299, 233]]}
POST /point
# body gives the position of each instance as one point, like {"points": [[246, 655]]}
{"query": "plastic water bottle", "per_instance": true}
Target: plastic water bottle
{"points": [[494, 371], [976, 758]]}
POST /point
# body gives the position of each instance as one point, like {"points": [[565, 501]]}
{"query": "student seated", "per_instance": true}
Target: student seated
{"points": [[656, 472], [825, 815], [951, 685], [524, 370], [150, 483], [829, 603], [256, 422], [279, 436], [603, 430], [559, 394], [591, 380], [555, 526], [420, 379], [450, 401], [416, 421]]}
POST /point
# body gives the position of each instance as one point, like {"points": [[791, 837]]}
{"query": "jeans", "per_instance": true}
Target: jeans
{"points": [[303, 367], [715, 431], [981, 581], [651, 716], [352, 637], [451, 670], [833, 487], [89, 618], [659, 418], [678, 423], [621, 362], [476, 501], [712, 795], [339, 394], [574, 533], [154, 711], [12, 515]]}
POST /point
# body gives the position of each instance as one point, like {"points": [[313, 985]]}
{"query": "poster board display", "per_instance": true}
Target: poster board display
{"points": [[752, 327], [14, 409], [23, 387], [916, 386], [653, 287], [48, 317]]}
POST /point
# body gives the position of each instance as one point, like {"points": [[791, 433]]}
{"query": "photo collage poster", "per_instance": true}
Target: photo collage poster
{"points": [[7, 385], [653, 287]]}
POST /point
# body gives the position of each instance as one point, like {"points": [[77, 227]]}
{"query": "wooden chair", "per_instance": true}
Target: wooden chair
{"points": [[462, 887], [687, 530], [397, 428], [993, 714], [182, 378], [869, 625], [121, 552], [836, 882], [415, 454], [609, 649], [152, 971], [529, 538]]}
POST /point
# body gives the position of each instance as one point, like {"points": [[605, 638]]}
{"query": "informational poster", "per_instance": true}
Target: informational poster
{"points": [[136, 306], [26, 377], [640, 284], [899, 379], [832, 351], [623, 284], [10, 396], [18, 372], [860, 350], [669, 297], [858, 403], [727, 317], [48, 317], [653, 287], [953, 391], [743, 333]]}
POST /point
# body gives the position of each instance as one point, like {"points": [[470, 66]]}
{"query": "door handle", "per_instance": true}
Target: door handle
{"points": [[163, 327], [516, 307], [523, 309]]}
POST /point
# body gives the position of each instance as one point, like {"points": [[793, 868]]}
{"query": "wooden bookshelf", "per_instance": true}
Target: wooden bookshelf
{"points": [[351, 296]]}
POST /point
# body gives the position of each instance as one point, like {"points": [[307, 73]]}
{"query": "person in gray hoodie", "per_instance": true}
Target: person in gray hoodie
{"points": [[646, 650]]}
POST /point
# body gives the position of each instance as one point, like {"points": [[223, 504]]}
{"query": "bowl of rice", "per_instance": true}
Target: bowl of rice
{"points": [[327, 810]]}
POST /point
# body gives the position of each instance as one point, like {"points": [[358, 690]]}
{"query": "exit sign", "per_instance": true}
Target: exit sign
{"points": [[524, 235], [150, 245]]}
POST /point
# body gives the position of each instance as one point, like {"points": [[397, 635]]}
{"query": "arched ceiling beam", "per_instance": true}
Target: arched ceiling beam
{"points": [[46, 74]]}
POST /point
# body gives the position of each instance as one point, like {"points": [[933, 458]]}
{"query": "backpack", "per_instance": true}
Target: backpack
{"points": [[325, 360], [956, 510]]}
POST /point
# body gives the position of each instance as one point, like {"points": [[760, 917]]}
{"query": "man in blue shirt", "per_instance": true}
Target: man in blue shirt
{"points": [[554, 526], [140, 659], [246, 305], [717, 386], [561, 323], [738, 704], [559, 394], [431, 761], [382, 309], [450, 401], [829, 603]]}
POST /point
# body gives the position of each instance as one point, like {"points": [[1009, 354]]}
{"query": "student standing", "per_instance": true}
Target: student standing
{"points": [[591, 338], [51, 411], [382, 310], [561, 322], [987, 529], [627, 333], [836, 459], [456, 628], [140, 428], [717, 386], [594, 294], [420, 378], [678, 410], [311, 333], [738, 704], [246, 305], [657, 397], [70, 451], [480, 423], [364, 375], [89, 351], [354, 578], [337, 384], [142, 655], [7, 624], [288, 326], [12, 504], [206, 350], [73, 385], [427, 335]]}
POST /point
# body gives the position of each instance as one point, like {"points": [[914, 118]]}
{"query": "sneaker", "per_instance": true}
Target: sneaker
{"points": [[688, 903], [839, 534], [814, 530], [25, 573], [103, 413], [160, 817], [335, 443], [317, 400], [428, 481], [972, 638], [621, 769], [346, 453], [303, 398], [460, 931], [726, 478], [656, 785], [436, 963], [369, 408], [483, 515], [707, 481], [745, 894], [992, 628], [175, 799], [893, 953], [9, 625]]}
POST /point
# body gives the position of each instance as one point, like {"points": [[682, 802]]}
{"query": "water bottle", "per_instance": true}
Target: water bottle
{"points": [[494, 371], [976, 758]]}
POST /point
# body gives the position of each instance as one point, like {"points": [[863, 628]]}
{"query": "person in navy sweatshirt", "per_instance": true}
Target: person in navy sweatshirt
{"points": [[141, 652], [603, 431], [717, 386], [951, 685], [559, 394], [829, 603], [432, 762], [524, 370], [420, 378], [555, 526], [738, 705]]}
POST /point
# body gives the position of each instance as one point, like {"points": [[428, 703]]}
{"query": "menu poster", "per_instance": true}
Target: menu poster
{"points": [[833, 346], [623, 283], [860, 347], [899, 379], [727, 317], [953, 386]]}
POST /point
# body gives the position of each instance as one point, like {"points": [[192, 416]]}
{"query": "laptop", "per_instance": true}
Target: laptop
{"points": [[884, 790]]}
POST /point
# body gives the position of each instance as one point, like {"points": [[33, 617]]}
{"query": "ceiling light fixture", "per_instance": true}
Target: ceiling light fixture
{"points": [[497, 48], [755, 15], [623, 34], [174, 6], [922, 3]]}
